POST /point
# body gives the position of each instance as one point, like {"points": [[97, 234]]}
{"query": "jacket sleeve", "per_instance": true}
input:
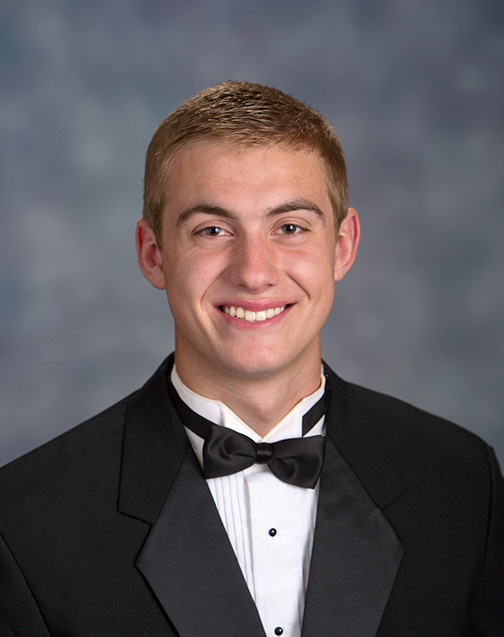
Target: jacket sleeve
{"points": [[19, 613], [486, 612]]}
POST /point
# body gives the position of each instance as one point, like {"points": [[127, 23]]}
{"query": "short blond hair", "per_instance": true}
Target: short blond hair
{"points": [[244, 115]]}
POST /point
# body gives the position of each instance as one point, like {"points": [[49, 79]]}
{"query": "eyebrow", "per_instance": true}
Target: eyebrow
{"points": [[204, 208], [210, 209], [296, 204]]}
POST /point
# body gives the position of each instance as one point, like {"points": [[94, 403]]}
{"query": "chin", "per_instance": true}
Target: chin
{"points": [[256, 366]]}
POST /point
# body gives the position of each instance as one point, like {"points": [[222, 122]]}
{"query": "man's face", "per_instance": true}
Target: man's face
{"points": [[248, 259]]}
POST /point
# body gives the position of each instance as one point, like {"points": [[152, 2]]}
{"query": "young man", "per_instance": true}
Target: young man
{"points": [[246, 489]]}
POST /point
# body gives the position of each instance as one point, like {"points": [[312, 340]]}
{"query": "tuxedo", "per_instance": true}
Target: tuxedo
{"points": [[111, 529]]}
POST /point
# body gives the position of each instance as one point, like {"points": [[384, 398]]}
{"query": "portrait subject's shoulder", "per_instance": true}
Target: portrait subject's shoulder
{"points": [[74, 460], [401, 418], [86, 441], [80, 463], [412, 436]]}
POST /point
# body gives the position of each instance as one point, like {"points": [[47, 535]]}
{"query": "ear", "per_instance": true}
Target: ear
{"points": [[149, 255], [347, 244]]}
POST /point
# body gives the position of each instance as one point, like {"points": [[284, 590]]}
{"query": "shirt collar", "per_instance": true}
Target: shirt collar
{"points": [[217, 412]]}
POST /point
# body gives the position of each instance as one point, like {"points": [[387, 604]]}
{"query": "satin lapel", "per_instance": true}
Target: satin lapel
{"points": [[187, 558], [191, 567], [355, 557], [154, 445], [356, 552]]}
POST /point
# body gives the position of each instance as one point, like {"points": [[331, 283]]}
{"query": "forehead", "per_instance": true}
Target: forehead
{"points": [[218, 169]]}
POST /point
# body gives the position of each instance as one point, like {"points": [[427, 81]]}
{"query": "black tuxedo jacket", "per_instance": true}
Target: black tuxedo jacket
{"points": [[110, 530]]}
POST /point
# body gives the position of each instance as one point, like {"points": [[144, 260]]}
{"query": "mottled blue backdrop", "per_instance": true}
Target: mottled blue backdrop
{"points": [[415, 91]]}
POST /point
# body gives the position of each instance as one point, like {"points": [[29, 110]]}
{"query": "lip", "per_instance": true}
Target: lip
{"points": [[254, 306]]}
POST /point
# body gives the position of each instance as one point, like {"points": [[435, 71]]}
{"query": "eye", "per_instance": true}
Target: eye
{"points": [[290, 228], [212, 231]]}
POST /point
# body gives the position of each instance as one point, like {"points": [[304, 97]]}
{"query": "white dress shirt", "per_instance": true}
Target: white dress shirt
{"points": [[270, 523]]}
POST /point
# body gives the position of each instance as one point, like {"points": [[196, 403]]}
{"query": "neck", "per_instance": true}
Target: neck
{"points": [[261, 401]]}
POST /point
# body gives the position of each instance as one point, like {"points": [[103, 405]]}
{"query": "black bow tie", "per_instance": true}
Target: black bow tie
{"points": [[297, 461]]}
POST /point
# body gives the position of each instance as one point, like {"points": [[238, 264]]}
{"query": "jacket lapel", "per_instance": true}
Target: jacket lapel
{"points": [[356, 552], [186, 559], [191, 567]]}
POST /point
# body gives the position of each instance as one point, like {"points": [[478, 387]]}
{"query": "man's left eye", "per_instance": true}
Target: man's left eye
{"points": [[212, 231], [290, 228]]}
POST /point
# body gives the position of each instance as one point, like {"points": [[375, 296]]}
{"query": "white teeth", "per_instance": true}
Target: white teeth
{"points": [[253, 317]]}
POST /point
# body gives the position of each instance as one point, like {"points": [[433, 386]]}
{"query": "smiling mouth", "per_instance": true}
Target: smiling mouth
{"points": [[252, 317]]}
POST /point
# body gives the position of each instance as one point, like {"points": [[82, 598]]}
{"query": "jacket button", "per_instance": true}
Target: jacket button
{"points": [[278, 630]]}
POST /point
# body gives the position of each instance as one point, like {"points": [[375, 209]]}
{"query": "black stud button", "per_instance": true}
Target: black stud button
{"points": [[278, 630], [273, 532]]}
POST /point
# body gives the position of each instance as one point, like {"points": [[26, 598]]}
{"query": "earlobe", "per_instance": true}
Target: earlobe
{"points": [[346, 244], [149, 255]]}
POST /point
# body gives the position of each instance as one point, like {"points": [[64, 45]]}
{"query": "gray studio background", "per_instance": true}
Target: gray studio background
{"points": [[415, 91]]}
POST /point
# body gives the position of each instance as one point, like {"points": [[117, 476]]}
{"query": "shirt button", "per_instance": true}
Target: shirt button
{"points": [[273, 532], [278, 630]]}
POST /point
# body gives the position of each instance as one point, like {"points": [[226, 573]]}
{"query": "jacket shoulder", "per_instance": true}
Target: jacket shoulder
{"points": [[405, 421], [79, 456], [84, 460], [86, 438], [415, 439]]}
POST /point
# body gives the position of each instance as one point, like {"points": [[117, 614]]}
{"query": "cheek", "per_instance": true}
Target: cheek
{"points": [[189, 278], [314, 271]]}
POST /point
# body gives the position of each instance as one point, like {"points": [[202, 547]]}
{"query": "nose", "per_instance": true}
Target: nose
{"points": [[254, 264]]}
